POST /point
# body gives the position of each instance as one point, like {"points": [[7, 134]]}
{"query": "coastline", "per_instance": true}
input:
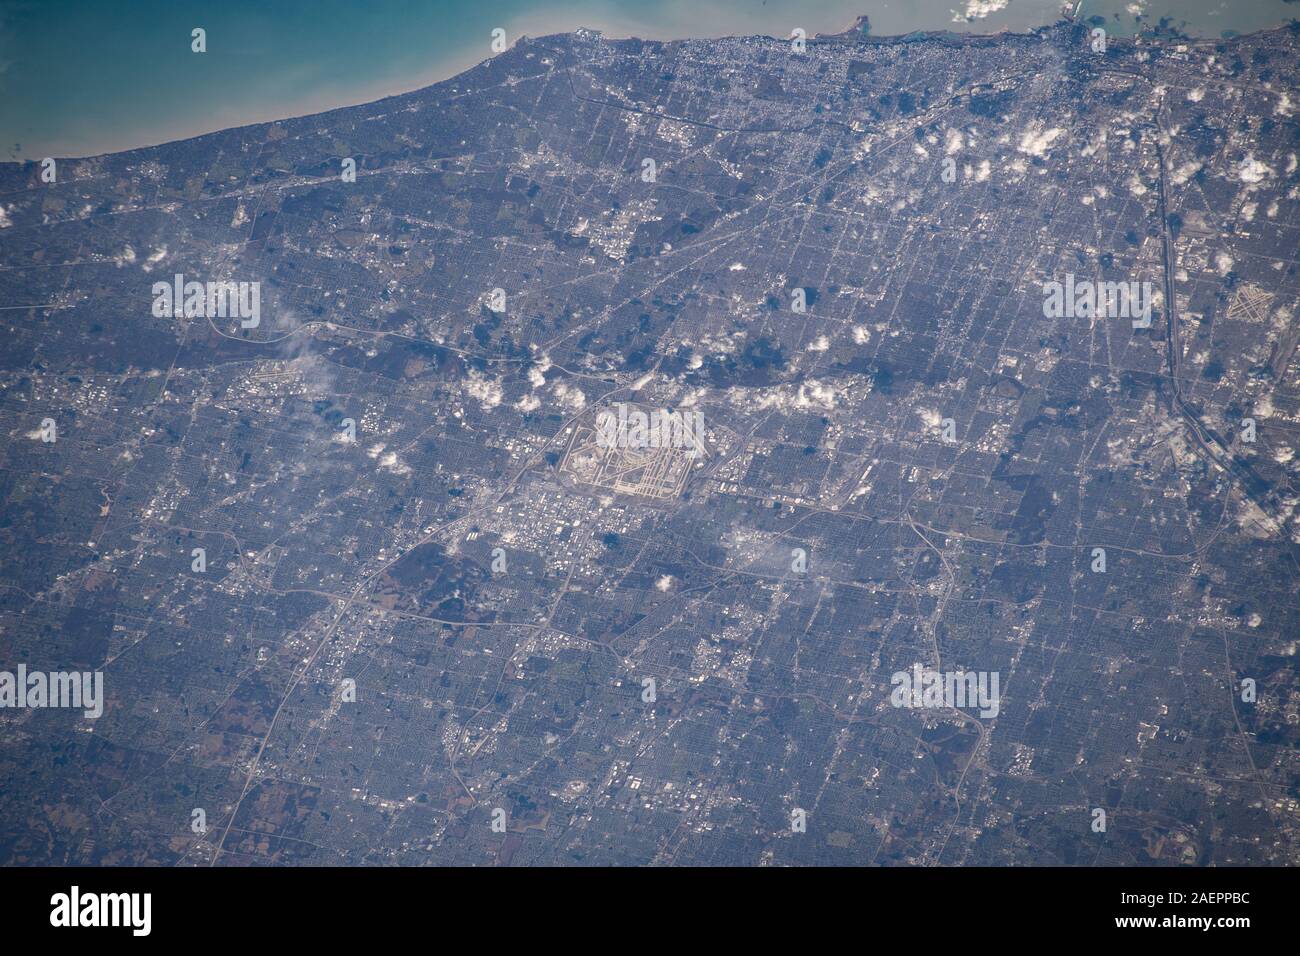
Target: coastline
{"points": [[449, 67], [532, 26]]}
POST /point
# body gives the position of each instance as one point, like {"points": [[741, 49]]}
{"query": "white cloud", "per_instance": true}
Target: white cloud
{"points": [[487, 391], [1036, 141], [978, 10], [570, 396], [1253, 171]]}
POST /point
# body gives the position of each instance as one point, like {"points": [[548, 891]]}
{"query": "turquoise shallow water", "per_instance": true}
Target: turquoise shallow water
{"points": [[79, 77]]}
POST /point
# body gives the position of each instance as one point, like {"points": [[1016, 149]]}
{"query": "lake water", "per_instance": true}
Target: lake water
{"points": [[79, 77]]}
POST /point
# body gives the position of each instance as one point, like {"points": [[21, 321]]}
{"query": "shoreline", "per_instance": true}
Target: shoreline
{"points": [[449, 69]]}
